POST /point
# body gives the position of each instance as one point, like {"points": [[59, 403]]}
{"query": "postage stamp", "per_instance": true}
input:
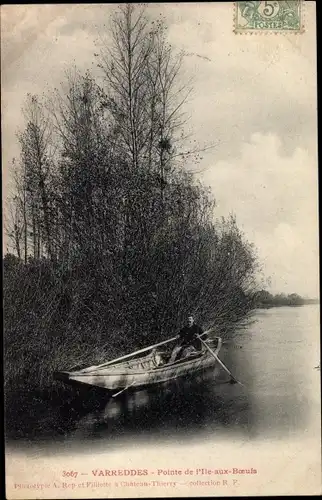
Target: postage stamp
{"points": [[272, 16]]}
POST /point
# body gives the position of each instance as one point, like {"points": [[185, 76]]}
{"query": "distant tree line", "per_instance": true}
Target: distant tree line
{"points": [[264, 299], [113, 242]]}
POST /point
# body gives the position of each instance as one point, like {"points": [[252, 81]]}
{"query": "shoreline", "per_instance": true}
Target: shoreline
{"points": [[271, 306]]}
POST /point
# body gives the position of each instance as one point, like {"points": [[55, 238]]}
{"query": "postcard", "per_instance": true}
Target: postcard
{"points": [[160, 250]]}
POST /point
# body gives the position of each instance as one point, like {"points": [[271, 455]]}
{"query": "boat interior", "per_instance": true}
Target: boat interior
{"points": [[156, 359]]}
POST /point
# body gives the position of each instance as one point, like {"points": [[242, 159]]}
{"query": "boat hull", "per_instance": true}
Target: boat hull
{"points": [[140, 373]]}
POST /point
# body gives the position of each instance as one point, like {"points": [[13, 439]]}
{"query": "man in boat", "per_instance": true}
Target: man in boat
{"points": [[188, 340]]}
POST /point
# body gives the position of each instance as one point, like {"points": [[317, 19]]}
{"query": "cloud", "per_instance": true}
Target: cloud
{"points": [[38, 66], [249, 84], [274, 197]]}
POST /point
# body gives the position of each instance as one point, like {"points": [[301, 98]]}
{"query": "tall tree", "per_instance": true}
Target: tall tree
{"points": [[36, 160], [82, 136], [141, 87]]}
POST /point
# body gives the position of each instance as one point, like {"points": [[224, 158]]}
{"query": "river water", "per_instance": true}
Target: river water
{"points": [[275, 359]]}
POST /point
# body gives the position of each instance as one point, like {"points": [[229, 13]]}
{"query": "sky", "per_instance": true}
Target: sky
{"points": [[254, 99]]}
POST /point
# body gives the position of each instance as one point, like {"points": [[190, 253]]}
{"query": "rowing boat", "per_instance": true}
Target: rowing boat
{"points": [[145, 371]]}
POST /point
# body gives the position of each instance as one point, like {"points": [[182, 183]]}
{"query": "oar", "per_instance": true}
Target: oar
{"points": [[219, 361], [127, 356], [122, 390]]}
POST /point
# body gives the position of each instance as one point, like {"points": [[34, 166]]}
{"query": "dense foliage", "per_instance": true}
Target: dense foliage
{"points": [[114, 241]]}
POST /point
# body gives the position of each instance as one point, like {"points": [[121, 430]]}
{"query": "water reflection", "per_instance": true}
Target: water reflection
{"points": [[177, 410], [186, 408]]}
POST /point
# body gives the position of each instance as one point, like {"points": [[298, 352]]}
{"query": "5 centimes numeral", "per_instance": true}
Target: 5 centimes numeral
{"points": [[270, 16]]}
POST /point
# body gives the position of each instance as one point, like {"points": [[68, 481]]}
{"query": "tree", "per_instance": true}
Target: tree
{"points": [[14, 224], [84, 177], [17, 224], [36, 158], [141, 90]]}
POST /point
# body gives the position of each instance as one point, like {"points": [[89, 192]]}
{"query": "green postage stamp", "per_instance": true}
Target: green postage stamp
{"points": [[276, 16]]}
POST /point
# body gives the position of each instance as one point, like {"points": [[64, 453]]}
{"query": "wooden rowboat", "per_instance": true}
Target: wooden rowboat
{"points": [[145, 371]]}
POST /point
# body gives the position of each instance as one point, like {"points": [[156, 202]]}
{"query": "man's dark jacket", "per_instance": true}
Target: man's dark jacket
{"points": [[188, 336]]}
